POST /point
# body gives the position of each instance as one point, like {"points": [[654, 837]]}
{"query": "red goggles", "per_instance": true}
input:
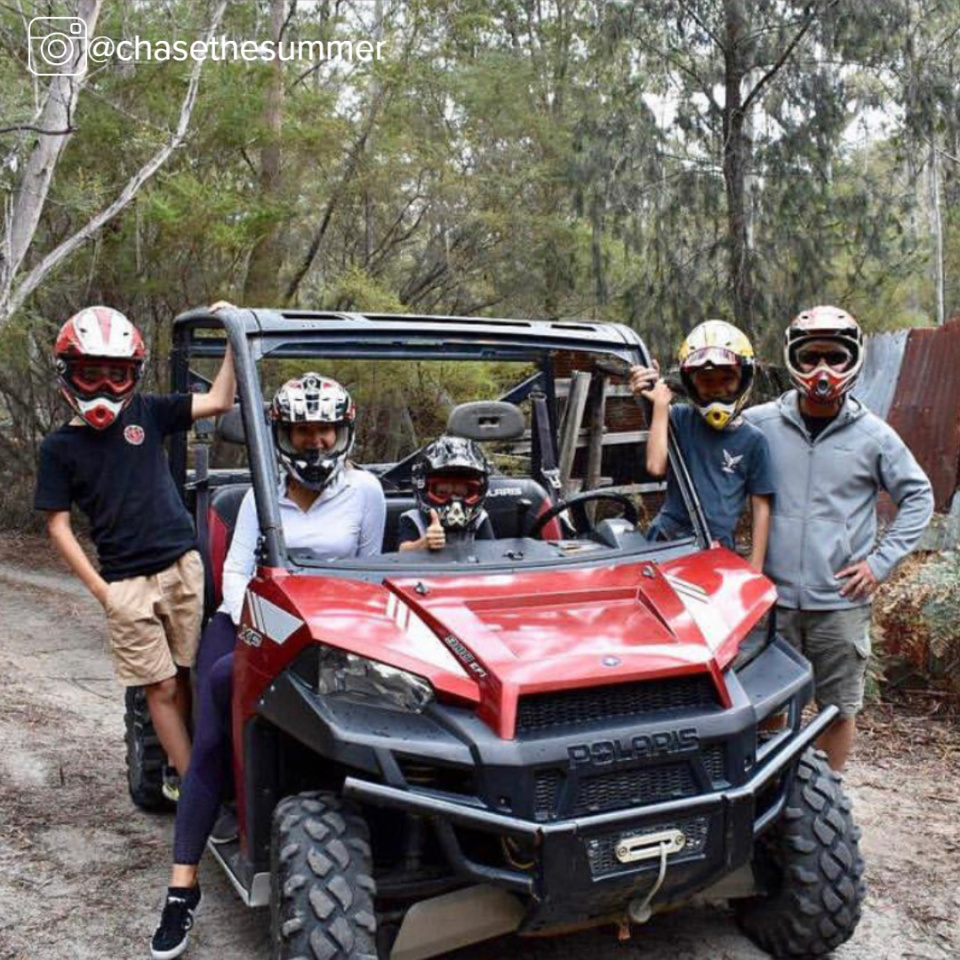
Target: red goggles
{"points": [[118, 378], [441, 490]]}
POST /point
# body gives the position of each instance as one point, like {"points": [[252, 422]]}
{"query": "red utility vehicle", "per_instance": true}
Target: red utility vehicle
{"points": [[566, 726]]}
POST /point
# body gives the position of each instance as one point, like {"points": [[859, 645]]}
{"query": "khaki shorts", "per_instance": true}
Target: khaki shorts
{"points": [[154, 621], [837, 643]]}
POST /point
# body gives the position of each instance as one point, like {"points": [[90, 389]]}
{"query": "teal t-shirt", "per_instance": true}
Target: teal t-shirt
{"points": [[726, 466]]}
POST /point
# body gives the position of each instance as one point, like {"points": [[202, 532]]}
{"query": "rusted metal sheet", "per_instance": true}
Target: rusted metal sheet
{"points": [[926, 405], [881, 370]]}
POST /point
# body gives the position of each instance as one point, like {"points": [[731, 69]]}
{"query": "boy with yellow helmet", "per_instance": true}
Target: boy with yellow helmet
{"points": [[727, 458]]}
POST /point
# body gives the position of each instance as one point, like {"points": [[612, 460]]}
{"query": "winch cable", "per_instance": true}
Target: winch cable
{"points": [[642, 913]]}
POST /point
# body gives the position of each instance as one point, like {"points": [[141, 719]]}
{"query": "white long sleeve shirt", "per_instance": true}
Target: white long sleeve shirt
{"points": [[346, 520]]}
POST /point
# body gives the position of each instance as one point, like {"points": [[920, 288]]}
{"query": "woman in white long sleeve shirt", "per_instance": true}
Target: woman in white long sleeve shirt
{"points": [[335, 510]]}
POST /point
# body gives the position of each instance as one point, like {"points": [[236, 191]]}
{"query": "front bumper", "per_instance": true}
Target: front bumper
{"points": [[578, 854], [511, 828]]}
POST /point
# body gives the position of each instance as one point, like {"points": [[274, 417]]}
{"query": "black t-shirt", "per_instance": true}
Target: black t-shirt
{"points": [[121, 480], [816, 425]]}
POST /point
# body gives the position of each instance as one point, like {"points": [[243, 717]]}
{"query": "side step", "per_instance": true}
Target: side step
{"points": [[228, 855]]}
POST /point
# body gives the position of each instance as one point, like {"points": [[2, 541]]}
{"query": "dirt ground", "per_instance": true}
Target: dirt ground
{"points": [[83, 873]]}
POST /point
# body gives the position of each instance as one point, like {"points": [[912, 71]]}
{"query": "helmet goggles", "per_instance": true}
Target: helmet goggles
{"points": [[95, 377], [442, 488], [811, 355]]}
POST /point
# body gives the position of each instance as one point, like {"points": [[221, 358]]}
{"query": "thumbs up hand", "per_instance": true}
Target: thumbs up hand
{"points": [[436, 537]]}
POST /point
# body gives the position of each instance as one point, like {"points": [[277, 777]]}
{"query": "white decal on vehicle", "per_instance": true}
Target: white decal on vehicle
{"points": [[271, 620]]}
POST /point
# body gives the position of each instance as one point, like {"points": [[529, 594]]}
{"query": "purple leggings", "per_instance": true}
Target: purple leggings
{"points": [[211, 768]]}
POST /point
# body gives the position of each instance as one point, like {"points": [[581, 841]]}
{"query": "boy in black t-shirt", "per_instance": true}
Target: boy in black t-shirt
{"points": [[109, 460]]}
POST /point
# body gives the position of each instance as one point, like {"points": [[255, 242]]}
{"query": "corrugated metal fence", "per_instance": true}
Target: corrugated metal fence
{"points": [[878, 379], [912, 379]]}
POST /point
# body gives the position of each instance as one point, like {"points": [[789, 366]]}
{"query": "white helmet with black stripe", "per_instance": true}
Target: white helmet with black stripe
{"points": [[312, 398]]}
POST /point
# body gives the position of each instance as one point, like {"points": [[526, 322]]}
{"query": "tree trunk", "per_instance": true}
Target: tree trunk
{"points": [[13, 292], [262, 285], [936, 223], [736, 163], [57, 116]]}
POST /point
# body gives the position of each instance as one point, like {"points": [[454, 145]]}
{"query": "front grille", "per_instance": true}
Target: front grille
{"points": [[603, 860], [713, 761], [625, 788], [450, 779], [546, 788], [634, 788], [539, 712]]}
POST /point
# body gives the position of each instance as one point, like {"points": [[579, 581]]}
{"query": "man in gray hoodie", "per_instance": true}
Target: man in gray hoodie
{"points": [[831, 458]]}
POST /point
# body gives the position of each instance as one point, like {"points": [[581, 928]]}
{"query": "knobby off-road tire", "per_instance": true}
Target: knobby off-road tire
{"points": [[145, 757], [321, 902], [811, 861]]}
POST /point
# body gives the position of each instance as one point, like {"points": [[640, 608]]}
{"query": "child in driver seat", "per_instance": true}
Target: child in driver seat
{"points": [[450, 479], [727, 458]]}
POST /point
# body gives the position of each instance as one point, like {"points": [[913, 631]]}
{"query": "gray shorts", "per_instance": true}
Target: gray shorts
{"points": [[837, 643]]}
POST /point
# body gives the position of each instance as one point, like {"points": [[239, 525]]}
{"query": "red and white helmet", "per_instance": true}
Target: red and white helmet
{"points": [[823, 378], [99, 358]]}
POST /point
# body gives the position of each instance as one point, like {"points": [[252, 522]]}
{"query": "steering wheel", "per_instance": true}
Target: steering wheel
{"points": [[576, 505]]}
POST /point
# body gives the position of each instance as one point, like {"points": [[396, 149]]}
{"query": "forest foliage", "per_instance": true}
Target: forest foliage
{"points": [[654, 162]]}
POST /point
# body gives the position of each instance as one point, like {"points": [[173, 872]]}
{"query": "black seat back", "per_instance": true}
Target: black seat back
{"points": [[508, 513]]}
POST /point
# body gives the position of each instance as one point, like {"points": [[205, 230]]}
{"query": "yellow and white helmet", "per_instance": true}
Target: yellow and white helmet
{"points": [[716, 343]]}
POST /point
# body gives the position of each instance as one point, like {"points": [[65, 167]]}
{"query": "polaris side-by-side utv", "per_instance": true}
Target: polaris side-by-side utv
{"points": [[566, 726]]}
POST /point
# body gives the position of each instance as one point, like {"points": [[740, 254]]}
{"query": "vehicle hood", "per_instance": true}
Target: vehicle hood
{"points": [[527, 633]]}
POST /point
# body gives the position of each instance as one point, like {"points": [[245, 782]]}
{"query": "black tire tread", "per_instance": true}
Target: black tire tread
{"points": [[322, 898], [145, 757], [816, 850]]}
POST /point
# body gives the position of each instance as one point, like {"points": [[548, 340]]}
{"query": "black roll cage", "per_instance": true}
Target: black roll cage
{"points": [[257, 334]]}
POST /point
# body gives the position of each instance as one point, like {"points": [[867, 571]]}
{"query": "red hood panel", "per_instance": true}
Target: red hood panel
{"points": [[529, 632], [373, 622], [491, 639]]}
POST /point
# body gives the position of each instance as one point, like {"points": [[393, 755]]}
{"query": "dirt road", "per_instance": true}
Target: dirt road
{"points": [[82, 872]]}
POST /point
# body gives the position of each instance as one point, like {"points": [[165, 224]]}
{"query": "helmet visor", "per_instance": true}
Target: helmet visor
{"points": [[443, 489], [711, 357], [89, 377], [299, 439], [811, 355]]}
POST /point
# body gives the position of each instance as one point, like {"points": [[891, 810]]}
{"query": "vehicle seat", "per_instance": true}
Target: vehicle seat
{"points": [[503, 505], [221, 519], [485, 420], [397, 505]]}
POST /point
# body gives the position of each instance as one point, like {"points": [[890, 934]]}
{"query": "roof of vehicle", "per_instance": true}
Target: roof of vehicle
{"points": [[291, 325]]}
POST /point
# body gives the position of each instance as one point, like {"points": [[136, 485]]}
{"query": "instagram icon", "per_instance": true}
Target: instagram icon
{"points": [[57, 46]]}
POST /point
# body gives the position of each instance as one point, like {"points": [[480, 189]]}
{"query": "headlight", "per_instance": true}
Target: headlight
{"points": [[349, 677], [756, 641]]}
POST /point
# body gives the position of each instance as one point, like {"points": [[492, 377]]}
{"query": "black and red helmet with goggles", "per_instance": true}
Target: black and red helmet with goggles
{"points": [[451, 476]]}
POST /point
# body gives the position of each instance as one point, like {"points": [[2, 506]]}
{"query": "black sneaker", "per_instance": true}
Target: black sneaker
{"points": [[172, 937], [225, 829]]}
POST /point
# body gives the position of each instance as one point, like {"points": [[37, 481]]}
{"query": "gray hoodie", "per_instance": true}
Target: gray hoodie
{"points": [[824, 510]]}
